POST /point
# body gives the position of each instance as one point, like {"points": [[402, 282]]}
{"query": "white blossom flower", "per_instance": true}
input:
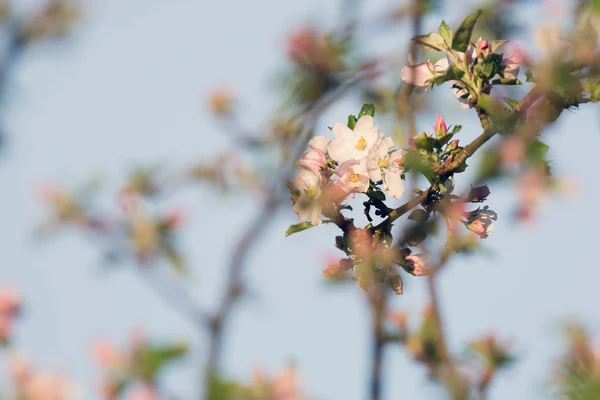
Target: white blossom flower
{"points": [[315, 157], [353, 144], [385, 166], [354, 177], [308, 205], [392, 175]]}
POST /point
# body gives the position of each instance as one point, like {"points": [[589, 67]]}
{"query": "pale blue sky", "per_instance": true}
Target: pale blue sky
{"points": [[129, 88]]}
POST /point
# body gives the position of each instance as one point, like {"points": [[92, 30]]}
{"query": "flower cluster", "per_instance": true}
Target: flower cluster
{"points": [[357, 160], [32, 384], [133, 371], [577, 372], [471, 68]]}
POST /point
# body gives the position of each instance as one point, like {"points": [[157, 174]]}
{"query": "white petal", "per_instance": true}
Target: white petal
{"points": [[342, 150], [375, 173], [306, 179], [319, 143], [315, 216], [341, 131], [392, 182], [365, 123]]}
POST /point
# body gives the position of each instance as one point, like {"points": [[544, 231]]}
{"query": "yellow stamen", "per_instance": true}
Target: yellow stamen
{"points": [[383, 163], [361, 144], [353, 177], [310, 192]]}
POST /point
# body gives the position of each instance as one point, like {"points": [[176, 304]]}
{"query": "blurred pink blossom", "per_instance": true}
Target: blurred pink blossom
{"points": [[285, 387], [143, 393], [48, 386]]}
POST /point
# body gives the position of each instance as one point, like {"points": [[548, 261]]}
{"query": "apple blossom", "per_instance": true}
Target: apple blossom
{"points": [[315, 158], [353, 144], [385, 166], [354, 176], [307, 205], [512, 65], [421, 75]]}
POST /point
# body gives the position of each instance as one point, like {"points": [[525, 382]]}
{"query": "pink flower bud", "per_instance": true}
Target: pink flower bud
{"points": [[301, 44], [453, 145], [419, 266], [105, 353], [10, 301], [483, 48], [440, 126]]}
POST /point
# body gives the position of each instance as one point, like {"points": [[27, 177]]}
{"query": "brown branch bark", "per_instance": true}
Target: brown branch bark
{"points": [[378, 304]]}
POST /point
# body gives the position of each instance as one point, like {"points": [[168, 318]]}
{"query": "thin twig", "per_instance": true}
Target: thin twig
{"points": [[274, 198], [455, 384], [378, 304], [173, 294]]}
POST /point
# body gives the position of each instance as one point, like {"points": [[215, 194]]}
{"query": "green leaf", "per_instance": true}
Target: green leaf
{"points": [[425, 142], [496, 44], [489, 70], [506, 81], [537, 150], [442, 140], [298, 228], [456, 129], [452, 73], [367, 109], [489, 104], [351, 121], [152, 358], [423, 162], [489, 165], [501, 116], [462, 37], [445, 32], [511, 102], [530, 77], [493, 58], [431, 41]]}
